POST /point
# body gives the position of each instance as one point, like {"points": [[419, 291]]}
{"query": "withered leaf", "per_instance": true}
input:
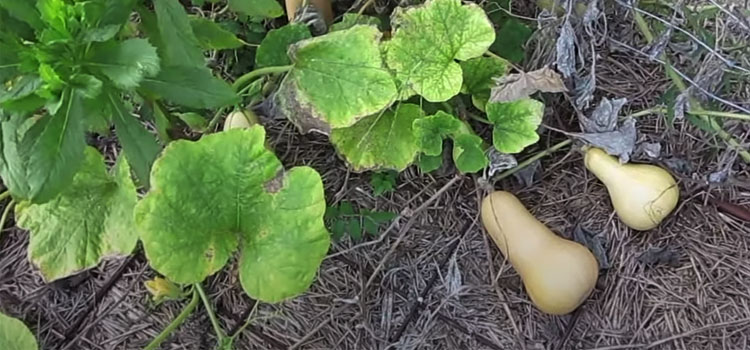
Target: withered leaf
{"points": [[516, 86]]}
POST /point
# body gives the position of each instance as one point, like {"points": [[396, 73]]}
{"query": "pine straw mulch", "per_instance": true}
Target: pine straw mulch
{"points": [[433, 280]]}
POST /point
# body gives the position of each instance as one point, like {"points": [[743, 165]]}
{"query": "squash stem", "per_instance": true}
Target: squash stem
{"points": [[248, 321], [677, 80], [533, 158], [175, 323], [7, 210], [211, 315], [248, 77]]}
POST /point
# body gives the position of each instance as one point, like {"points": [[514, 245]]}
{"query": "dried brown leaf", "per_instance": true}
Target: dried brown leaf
{"points": [[512, 87]]}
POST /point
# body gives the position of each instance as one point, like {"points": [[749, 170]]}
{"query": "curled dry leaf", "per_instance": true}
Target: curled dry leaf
{"points": [[566, 50], [604, 117], [660, 256], [513, 87], [527, 175], [620, 142], [499, 161], [651, 149], [594, 242]]}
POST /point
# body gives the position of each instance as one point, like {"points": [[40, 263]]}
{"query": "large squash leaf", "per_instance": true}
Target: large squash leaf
{"points": [[227, 191], [273, 49], [468, 148], [337, 79], [479, 74], [14, 335], [515, 124], [427, 41], [381, 141], [90, 220]]}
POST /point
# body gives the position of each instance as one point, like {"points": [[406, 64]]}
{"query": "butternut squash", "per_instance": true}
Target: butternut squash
{"points": [[240, 120], [558, 274], [642, 194]]}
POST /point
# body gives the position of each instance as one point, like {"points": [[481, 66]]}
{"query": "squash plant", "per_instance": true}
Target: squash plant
{"points": [[75, 67], [369, 94], [15, 335]]}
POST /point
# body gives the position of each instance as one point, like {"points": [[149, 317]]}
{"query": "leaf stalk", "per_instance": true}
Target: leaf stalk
{"points": [[175, 323]]}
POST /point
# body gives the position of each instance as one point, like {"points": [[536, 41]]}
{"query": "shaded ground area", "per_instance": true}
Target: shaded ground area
{"points": [[433, 280]]}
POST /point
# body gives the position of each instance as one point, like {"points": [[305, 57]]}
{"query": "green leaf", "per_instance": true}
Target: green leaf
{"points": [[352, 19], [194, 121], [354, 228], [383, 182], [191, 87], [381, 141], [24, 11], [427, 41], [13, 165], [511, 38], [181, 47], [381, 216], [337, 79], [14, 335], [429, 163], [478, 77], [23, 87], [274, 217], [91, 219], [338, 229], [54, 145], [114, 12], [126, 63], [212, 36], [515, 124], [273, 49], [345, 208], [257, 8], [88, 85], [139, 145], [56, 14], [370, 226], [430, 132], [468, 154], [50, 77]]}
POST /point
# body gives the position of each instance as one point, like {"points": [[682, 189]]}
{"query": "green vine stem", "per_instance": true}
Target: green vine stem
{"points": [[6, 212], [721, 114], [242, 84], [532, 159], [248, 77], [211, 315], [680, 84], [248, 321], [175, 323], [4, 195]]}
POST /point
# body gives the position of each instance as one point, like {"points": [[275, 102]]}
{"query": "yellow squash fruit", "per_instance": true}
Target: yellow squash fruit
{"points": [[240, 120], [642, 195], [558, 274]]}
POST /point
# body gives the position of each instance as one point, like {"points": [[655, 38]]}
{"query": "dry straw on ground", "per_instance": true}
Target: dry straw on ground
{"points": [[436, 271]]}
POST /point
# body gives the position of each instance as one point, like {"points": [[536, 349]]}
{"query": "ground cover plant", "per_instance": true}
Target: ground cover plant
{"points": [[153, 131]]}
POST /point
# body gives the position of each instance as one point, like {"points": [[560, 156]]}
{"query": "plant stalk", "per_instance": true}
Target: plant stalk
{"points": [[532, 159], [249, 320], [4, 195], [6, 212], [248, 77], [175, 323], [680, 84], [211, 315]]}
